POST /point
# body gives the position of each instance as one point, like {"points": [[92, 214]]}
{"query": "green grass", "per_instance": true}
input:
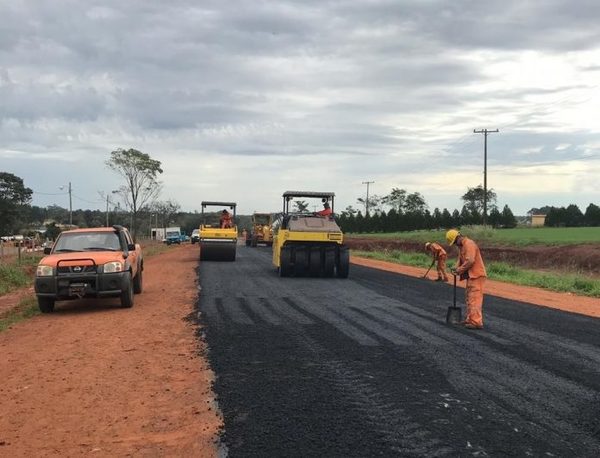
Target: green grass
{"points": [[154, 249], [13, 276], [520, 236], [26, 308], [567, 283]]}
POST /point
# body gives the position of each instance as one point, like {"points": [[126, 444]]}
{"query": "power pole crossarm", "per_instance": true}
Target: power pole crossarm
{"points": [[485, 133]]}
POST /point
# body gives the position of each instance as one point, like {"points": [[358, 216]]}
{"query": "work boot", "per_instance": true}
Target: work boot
{"points": [[439, 279], [472, 326]]}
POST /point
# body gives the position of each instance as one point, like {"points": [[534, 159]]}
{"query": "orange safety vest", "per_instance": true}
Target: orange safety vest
{"points": [[470, 260], [437, 250]]}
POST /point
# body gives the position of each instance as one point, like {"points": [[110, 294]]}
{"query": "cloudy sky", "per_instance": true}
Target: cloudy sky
{"points": [[242, 100]]}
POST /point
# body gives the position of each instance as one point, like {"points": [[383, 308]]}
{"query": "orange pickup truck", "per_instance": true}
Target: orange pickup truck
{"points": [[94, 262]]}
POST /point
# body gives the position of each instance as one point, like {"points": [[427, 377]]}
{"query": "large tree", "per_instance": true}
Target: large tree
{"points": [[164, 212], [592, 215], [374, 204], [140, 172], [474, 198], [13, 197], [396, 199]]}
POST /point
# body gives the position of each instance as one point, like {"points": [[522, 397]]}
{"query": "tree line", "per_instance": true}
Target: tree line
{"points": [[571, 216], [399, 210], [409, 212]]}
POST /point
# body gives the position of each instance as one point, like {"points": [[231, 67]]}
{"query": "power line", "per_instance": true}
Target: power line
{"points": [[88, 201], [50, 194]]}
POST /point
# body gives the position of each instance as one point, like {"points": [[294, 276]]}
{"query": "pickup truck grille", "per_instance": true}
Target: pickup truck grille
{"points": [[76, 269]]}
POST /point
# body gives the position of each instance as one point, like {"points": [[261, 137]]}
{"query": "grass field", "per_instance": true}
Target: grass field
{"points": [[514, 237], [501, 271]]}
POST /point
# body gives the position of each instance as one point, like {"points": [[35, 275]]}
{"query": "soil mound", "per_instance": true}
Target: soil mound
{"points": [[579, 258]]}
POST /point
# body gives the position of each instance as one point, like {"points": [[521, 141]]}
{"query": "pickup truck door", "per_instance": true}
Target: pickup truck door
{"points": [[133, 254]]}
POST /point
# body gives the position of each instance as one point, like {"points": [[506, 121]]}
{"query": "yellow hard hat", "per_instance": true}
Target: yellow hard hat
{"points": [[451, 236], [427, 245]]}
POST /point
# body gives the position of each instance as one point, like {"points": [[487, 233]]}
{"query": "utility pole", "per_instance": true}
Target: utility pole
{"points": [[367, 202], [70, 205], [485, 133], [107, 210]]}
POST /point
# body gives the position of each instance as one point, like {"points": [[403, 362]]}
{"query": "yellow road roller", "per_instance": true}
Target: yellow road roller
{"points": [[309, 243], [218, 232]]}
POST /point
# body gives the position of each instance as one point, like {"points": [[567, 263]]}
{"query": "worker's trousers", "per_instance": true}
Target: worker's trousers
{"points": [[441, 267], [474, 300]]}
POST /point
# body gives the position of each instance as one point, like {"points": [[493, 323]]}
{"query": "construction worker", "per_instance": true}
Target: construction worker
{"points": [[326, 210], [225, 220], [439, 256], [469, 267], [266, 232]]}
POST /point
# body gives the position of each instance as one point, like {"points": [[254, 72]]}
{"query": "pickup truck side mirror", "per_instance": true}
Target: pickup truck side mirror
{"points": [[47, 250], [131, 247]]}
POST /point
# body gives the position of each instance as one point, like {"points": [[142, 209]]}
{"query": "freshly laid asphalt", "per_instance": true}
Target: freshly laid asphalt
{"points": [[367, 366]]}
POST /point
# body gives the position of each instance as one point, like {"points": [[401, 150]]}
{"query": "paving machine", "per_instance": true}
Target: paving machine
{"points": [[218, 243], [262, 230], [307, 244]]}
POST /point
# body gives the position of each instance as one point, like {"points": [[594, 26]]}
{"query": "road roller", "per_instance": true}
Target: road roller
{"points": [[218, 232], [309, 244]]}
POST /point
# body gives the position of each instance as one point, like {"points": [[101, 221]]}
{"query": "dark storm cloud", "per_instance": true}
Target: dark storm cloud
{"points": [[373, 83], [192, 63]]}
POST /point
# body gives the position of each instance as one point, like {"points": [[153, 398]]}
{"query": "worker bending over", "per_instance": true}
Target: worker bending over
{"points": [[470, 267], [439, 256]]}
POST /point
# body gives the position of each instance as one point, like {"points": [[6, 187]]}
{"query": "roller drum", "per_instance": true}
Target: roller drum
{"points": [[217, 251]]}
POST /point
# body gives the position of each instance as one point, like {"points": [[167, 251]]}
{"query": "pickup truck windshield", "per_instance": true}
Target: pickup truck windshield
{"points": [[87, 241]]}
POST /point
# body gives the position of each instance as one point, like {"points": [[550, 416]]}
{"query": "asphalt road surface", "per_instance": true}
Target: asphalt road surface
{"points": [[368, 367]]}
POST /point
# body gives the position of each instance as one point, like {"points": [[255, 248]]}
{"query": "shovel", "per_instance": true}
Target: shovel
{"points": [[454, 313], [425, 276]]}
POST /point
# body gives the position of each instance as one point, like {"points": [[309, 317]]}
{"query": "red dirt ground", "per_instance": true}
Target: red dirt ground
{"points": [[93, 378], [579, 258]]}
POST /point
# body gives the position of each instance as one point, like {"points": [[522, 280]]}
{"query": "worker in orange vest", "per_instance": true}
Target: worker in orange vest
{"points": [[225, 219], [326, 210], [439, 256], [470, 267]]}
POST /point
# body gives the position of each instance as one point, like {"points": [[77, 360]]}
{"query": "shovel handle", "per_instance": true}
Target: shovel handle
{"points": [[454, 289], [432, 263]]}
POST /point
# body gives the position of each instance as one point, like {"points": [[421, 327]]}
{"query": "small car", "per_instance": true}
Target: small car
{"points": [[195, 238]]}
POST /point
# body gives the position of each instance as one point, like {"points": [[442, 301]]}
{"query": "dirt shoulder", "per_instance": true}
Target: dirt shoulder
{"points": [[96, 378], [562, 301], [574, 258]]}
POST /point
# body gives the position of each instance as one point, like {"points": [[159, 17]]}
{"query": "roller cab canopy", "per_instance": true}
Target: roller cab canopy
{"points": [[288, 196]]}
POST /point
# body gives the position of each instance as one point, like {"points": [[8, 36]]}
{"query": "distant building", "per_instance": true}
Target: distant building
{"points": [[538, 220], [157, 233]]}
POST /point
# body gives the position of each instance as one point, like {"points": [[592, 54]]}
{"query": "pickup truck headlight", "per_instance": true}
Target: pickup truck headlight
{"points": [[44, 271], [112, 267]]}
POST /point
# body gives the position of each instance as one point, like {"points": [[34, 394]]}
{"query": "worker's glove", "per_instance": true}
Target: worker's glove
{"points": [[454, 271]]}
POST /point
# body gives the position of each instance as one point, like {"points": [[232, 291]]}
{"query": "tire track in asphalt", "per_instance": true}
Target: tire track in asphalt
{"points": [[317, 363]]}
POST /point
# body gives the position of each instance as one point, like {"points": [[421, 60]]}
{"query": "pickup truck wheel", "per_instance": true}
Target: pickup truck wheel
{"points": [[138, 282], [46, 304], [127, 293]]}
